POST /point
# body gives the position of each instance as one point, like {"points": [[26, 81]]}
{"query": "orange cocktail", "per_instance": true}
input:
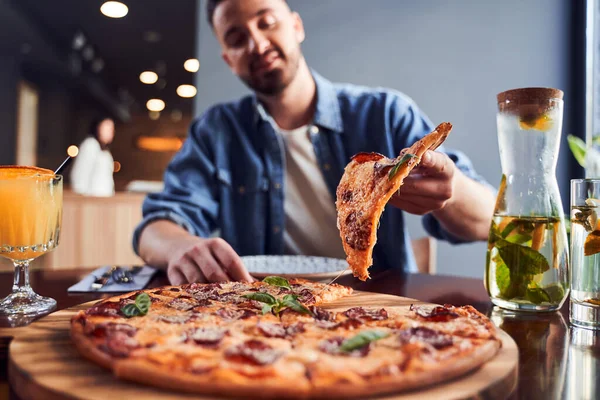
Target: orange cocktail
{"points": [[30, 219]]}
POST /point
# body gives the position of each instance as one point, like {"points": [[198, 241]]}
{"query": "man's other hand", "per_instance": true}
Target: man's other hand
{"points": [[429, 187], [195, 259]]}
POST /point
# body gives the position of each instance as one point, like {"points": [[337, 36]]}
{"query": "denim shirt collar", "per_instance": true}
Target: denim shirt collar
{"points": [[327, 112]]}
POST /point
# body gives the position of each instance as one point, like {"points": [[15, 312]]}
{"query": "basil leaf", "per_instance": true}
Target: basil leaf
{"points": [[278, 307], [494, 233], [578, 148], [554, 292], [290, 301], [502, 276], [522, 260], [277, 281], [131, 310], [362, 339], [142, 301], [396, 167], [262, 297], [266, 308], [537, 295], [518, 238]]}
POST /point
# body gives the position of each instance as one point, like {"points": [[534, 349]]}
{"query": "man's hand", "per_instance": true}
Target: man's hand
{"points": [[188, 258], [429, 187], [205, 260]]}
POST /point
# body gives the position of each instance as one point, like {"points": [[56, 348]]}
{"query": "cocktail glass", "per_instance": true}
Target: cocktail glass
{"points": [[30, 218]]}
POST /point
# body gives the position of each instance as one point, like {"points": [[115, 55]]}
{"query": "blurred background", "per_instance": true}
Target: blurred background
{"points": [[63, 63]]}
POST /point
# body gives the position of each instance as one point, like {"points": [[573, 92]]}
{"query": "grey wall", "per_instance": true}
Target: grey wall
{"points": [[451, 57]]}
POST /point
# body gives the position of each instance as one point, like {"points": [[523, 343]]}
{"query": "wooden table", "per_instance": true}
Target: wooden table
{"points": [[555, 361]]}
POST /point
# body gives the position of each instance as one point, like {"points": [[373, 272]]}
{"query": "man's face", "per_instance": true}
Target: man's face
{"points": [[260, 40]]}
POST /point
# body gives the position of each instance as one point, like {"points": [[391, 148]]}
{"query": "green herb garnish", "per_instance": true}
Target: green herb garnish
{"points": [[275, 305], [140, 307], [578, 148], [291, 301], [517, 263], [396, 167], [277, 281], [362, 339]]}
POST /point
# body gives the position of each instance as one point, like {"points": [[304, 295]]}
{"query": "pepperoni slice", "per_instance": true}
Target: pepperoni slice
{"points": [[279, 331], [209, 336], [295, 329], [349, 323], [436, 314], [250, 304], [368, 315], [437, 339], [173, 319], [110, 328], [231, 314], [327, 324], [194, 288], [254, 352], [366, 157], [306, 296], [106, 309], [271, 330], [166, 292], [119, 345], [321, 314], [183, 304]]}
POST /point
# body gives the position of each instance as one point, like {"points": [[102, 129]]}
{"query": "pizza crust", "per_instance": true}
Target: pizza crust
{"points": [[224, 382], [441, 372], [87, 348]]}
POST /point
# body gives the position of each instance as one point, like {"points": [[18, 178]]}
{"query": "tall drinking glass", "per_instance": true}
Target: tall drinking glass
{"points": [[585, 253], [30, 218]]}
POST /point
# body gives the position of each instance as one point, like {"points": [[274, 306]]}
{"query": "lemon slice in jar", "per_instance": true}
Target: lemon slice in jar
{"points": [[541, 123]]}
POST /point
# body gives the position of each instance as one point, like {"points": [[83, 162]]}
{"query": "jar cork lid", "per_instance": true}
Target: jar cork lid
{"points": [[533, 94], [529, 103]]}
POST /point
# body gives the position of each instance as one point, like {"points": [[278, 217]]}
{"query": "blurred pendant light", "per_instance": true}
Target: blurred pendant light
{"points": [[148, 77], [186, 91], [114, 9], [191, 65], [155, 105]]}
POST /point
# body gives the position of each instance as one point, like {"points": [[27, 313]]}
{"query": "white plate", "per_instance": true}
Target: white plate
{"points": [[308, 267]]}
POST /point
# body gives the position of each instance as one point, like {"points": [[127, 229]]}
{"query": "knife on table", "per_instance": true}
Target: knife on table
{"points": [[102, 280]]}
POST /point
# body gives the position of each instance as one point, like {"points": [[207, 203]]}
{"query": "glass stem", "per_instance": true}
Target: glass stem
{"points": [[21, 278]]}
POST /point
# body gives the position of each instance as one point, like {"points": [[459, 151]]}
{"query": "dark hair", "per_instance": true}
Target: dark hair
{"points": [[211, 6], [94, 128]]}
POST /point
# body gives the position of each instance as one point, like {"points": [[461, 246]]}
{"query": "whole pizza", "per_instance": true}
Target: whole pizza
{"points": [[279, 339]]}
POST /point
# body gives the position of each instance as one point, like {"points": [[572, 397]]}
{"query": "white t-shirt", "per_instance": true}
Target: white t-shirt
{"points": [[310, 214], [92, 170]]}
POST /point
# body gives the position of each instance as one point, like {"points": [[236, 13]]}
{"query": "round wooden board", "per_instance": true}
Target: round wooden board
{"points": [[44, 364]]}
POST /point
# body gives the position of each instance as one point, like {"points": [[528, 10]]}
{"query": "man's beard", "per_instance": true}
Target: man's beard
{"points": [[274, 82]]}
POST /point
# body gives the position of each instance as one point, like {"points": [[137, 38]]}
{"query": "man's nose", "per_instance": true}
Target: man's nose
{"points": [[258, 43]]}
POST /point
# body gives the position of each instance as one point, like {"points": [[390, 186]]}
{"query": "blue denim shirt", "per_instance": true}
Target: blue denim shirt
{"points": [[229, 174]]}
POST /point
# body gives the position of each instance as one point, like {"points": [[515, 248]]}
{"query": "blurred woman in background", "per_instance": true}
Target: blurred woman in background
{"points": [[92, 171]]}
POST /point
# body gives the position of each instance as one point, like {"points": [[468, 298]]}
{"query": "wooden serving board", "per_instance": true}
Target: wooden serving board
{"points": [[44, 364]]}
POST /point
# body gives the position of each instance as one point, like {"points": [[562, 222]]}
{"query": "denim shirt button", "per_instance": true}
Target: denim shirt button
{"points": [[277, 186], [314, 130], [326, 166], [242, 189], [276, 229]]}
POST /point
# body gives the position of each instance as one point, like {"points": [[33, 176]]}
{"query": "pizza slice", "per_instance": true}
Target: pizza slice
{"points": [[368, 183]]}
